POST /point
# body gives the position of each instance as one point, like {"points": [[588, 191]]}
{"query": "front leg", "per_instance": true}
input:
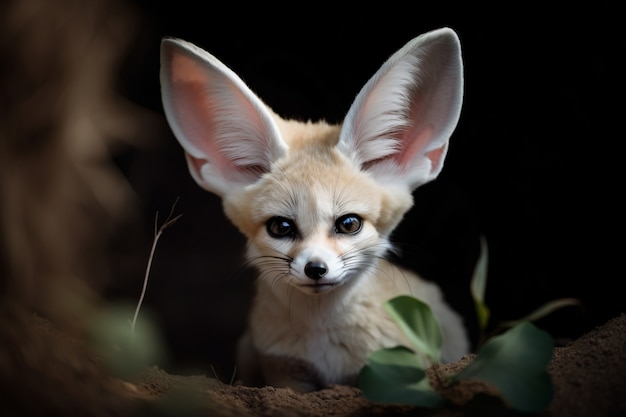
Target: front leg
{"points": [[257, 369], [283, 371]]}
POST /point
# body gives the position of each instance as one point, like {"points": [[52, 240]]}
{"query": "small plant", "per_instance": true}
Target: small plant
{"points": [[478, 285], [128, 352], [513, 362], [157, 234]]}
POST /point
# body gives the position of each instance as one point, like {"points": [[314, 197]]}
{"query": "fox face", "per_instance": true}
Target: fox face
{"points": [[315, 220], [318, 202]]}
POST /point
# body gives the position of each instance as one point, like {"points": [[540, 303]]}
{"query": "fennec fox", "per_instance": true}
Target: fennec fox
{"points": [[318, 202]]}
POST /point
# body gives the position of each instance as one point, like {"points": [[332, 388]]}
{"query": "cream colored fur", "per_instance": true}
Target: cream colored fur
{"points": [[318, 202]]}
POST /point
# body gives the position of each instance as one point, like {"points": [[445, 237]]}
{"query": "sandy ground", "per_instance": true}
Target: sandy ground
{"points": [[45, 372]]}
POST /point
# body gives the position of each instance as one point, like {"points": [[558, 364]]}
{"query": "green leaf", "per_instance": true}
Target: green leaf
{"points": [[395, 376], [544, 310], [417, 321], [478, 284], [126, 354], [515, 364]]}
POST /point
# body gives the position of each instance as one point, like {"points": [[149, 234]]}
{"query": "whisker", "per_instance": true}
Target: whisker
{"points": [[272, 267], [364, 260]]}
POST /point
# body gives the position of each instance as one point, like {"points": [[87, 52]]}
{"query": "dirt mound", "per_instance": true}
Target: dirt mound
{"points": [[45, 372]]}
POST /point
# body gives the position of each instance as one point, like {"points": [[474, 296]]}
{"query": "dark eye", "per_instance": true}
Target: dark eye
{"points": [[348, 224], [281, 227]]}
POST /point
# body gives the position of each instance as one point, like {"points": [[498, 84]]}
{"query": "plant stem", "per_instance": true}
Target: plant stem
{"points": [[157, 234]]}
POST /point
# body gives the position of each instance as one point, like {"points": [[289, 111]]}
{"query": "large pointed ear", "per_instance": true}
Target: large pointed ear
{"points": [[228, 134], [400, 123]]}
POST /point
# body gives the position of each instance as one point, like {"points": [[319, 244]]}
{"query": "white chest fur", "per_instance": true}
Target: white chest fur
{"points": [[333, 333]]}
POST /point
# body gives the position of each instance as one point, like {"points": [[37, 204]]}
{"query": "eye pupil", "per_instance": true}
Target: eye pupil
{"points": [[348, 224], [280, 227]]}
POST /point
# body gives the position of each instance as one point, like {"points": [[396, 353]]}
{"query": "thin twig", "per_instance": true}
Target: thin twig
{"points": [[157, 234]]}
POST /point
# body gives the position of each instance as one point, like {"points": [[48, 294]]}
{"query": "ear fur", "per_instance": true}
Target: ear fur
{"points": [[228, 134], [397, 129], [400, 123]]}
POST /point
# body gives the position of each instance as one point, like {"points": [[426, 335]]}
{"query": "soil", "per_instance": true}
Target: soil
{"points": [[50, 373]]}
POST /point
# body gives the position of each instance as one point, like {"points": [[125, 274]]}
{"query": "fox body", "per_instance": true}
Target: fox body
{"points": [[318, 202]]}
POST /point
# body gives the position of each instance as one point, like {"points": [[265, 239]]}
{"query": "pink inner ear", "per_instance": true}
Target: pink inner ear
{"points": [[413, 143], [186, 69], [194, 108], [436, 157], [415, 139], [196, 121], [196, 162]]}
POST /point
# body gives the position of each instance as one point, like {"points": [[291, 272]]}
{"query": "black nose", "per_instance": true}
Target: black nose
{"points": [[315, 269]]}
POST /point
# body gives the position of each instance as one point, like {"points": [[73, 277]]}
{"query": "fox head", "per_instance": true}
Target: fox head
{"points": [[317, 202]]}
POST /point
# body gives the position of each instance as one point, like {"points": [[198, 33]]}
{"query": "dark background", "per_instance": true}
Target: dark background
{"points": [[534, 165]]}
